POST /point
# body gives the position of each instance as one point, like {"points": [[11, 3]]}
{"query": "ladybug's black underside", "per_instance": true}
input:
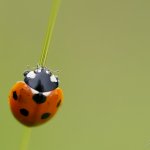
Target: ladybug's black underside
{"points": [[41, 80]]}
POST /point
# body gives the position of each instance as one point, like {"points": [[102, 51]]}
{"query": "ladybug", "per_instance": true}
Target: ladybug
{"points": [[36, 99]]}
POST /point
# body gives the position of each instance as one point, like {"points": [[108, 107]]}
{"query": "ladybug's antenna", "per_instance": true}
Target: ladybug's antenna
{"points": [[52, 20]]}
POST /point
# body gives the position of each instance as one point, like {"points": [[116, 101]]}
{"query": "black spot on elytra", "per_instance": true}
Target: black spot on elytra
{"points": [[15, 95], [58, 104], [45, 115], [24, 112], [39, 98]]}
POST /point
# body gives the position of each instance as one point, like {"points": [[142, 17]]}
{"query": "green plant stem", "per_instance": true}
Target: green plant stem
{"points": [[53, 14], [26, 138], [52, 20]]}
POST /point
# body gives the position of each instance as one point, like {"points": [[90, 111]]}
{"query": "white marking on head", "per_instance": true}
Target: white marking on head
{"points": [[53, 78], [47, 72], [38, 70], [46, 93], [31, 75], [34, 91]]}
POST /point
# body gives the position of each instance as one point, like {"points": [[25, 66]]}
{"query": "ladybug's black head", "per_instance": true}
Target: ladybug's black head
{"points": [[41, 79]]}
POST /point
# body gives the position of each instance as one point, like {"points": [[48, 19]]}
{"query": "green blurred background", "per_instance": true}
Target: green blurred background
{"points": [[102, 49]]}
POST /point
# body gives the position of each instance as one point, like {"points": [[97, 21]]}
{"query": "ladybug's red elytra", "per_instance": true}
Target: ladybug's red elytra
{"points": [[36, 99]]}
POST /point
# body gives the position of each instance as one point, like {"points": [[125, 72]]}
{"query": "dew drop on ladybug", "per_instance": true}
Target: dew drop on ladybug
{"points": [[35, 100]]}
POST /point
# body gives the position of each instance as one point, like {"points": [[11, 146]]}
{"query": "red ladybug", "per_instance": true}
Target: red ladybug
{"points": [[36, 99]]}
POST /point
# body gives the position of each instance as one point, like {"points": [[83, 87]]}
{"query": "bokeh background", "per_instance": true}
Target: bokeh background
{"points": [[102, 49]]}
